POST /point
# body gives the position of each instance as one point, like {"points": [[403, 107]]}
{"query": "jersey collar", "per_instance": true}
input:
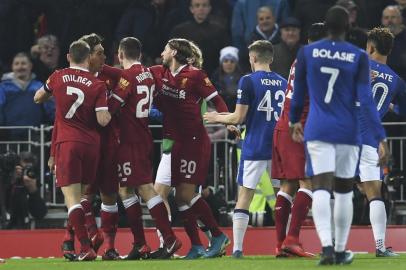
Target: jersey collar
{"points": [[176, 72], [80, 68]]}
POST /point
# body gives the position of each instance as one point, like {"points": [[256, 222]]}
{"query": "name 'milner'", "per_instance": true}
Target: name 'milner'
{"points": [[78, 79], [342, 56]]}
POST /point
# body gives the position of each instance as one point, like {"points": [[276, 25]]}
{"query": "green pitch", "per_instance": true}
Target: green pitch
{"points": [[361, 262]]}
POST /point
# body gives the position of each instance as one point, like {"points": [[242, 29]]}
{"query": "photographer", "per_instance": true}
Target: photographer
{"points": [[23, 195]]}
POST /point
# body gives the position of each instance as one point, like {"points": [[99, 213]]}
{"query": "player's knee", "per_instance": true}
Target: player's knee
{"points": [[343, 185]]}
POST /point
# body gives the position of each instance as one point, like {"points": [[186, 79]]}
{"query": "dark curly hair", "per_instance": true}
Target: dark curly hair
{"points": [[382, 39]]}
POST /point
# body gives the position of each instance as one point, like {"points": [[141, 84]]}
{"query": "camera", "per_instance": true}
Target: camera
{"points": [[8, 161], [29, 171]]}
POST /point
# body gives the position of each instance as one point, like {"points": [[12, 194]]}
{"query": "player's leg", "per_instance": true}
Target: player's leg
{"points": [[321, 167], [134, 218], [347, 157], [109, 222], [370, 175], [249, 174], [159, 213]]}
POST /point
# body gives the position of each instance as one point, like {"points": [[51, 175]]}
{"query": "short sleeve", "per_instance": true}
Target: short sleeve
{"points": [[204, 86], [101, 99], [245, 91], [50, 84], [120, 93]]}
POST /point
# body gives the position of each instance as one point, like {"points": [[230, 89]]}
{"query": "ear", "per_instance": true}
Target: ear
{"points": [[174, 52], [68, 57]]}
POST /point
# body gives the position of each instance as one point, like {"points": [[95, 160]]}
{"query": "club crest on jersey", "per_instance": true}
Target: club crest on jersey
{"points": [[123, 83], [182, 94], [207, 82], [239, 93], [183, 83]]}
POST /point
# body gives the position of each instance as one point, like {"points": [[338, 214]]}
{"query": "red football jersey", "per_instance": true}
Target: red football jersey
{"points": [[78, 95], [180, 96], [283, 123], [134, 93]]}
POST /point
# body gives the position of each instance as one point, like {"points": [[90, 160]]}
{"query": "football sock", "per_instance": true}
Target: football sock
{"points": [[160, 237], [203, 212], [134, 216], [282, 210], [377, 216], [240, 223], [189, 223], [322, 216], [159, 213], [69, 233], [89, 217], [300, 208], [77, 219], [109, 222], [343, 211], [204, 229]]}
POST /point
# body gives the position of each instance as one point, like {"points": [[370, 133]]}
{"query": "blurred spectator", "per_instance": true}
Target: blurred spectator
{"points": [[267, 28], [392, 18], [23, 197], [285, 52], [352, 9], [146, 20], [309, 12], [402, 7], [244, 19], [208, 35], [45, 56], [226, 77], [373, 11], [17, 91], [358, 37]]}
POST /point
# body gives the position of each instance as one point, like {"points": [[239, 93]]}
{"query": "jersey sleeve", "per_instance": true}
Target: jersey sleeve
{"points": [[50, 84], [112, 72], [245, 91], [400, 98], [120, 93], [300, 86], [204, 87], [101, 99], [364, 94]]}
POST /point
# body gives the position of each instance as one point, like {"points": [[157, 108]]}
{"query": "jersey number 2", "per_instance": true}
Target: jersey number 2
{"points": [[81, 97]]}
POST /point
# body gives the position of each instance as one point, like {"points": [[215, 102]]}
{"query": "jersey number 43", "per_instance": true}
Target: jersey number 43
{"points": [[265, 105]]}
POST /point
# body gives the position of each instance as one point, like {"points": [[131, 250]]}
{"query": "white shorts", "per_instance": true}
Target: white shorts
{"points": [[340, 159], [250, 172], [163, 174], [368, 165]]}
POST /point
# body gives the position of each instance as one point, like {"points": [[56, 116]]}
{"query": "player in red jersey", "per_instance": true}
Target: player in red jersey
{"points": [[180, 89], [81, 105], [288, 164], [133, 97]]}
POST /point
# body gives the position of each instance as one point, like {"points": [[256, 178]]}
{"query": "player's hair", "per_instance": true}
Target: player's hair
{"points": [[197, 59], [382, 38], [358, 37], [23, 54], [337, 20], [92, 40], [79, 51], [317, 31], [131, 48], [183, 49], [263, 49]]}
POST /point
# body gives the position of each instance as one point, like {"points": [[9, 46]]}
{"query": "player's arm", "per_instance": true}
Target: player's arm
{"points": [[102, 111], [112, 72], [51, 160], [298, 99], [368, 106], [400, 99], [120, 94]]}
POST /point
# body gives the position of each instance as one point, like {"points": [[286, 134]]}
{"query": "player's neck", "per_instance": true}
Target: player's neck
{"points": [[382, 59], [83, 66], [340, 37], [174, 66], [262, 67], [127, 63]]}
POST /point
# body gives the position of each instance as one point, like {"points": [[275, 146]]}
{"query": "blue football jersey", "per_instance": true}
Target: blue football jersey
{"points": [[387, 87], [264, 93], [335, 74]]}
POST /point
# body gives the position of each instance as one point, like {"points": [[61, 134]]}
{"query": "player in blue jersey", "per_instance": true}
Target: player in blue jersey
{"points": [[387, 86], [335, 75], [260, 97]]}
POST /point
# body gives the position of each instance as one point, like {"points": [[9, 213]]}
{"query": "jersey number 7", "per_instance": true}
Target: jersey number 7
{"points": [[81, 97], [333, 77]]}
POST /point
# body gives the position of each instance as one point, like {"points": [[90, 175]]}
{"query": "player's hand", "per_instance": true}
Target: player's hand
{"points": [[373, 75], [235, 130], [51, 164], [296, 131], [210, 117], [384, 154]]}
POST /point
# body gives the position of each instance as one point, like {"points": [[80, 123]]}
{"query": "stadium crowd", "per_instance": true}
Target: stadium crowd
{"points": [[210, 45]]}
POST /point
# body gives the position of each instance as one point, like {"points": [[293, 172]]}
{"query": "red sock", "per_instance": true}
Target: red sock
{"points": [[77, 219], [134, 217], [69, 233], [203, 212], [190, 225], [282, 211], [160, 215], [300, 208], [109, 225], [89, 217]]}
